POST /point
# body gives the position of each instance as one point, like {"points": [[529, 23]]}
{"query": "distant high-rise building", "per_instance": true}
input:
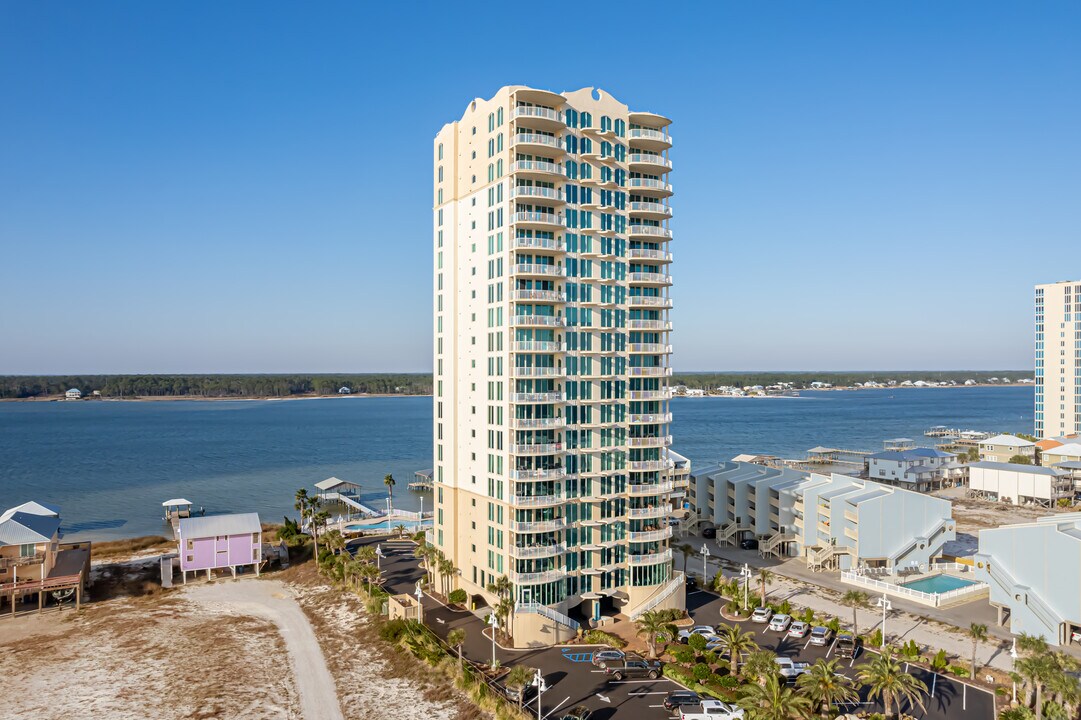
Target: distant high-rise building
{"points": [[1058, 359], [552, 456]]}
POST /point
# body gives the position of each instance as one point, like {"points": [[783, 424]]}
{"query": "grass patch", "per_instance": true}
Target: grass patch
{"points": [[129, 546], [599, 637]]}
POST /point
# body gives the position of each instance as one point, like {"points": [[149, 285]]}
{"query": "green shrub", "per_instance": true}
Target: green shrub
{"points": [[709, 657], [697, 642], [807, 616], [939, 662], [786, 608], [672, 614], [910, 650], [876, 638], [458, 597], [834, 624], [959, 670], [682, 654], [599, 637], [726, 681], [392, 630], [701, 672], [1017, 713], [684, 677]]}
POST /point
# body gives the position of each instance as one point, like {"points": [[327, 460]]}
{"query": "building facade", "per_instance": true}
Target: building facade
{"points": [[1058, 359], [1003, 448], [34, 563], [1020, 484], [220, 542], [920, 469], [551, 351]]}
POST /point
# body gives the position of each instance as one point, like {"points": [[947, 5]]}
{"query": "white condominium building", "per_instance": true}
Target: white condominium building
{"points": [[551, 423], [1058, 359]]}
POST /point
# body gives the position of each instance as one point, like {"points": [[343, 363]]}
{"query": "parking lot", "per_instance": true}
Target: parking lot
{"points": [[572, 680]]}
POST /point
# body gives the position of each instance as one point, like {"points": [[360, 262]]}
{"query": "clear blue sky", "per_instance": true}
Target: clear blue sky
{"points": [[245, 187]]}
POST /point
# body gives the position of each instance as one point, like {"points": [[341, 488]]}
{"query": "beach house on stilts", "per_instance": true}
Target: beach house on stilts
{"points": [[219, 542]]}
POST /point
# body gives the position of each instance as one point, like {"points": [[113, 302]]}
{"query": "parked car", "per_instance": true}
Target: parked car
{"points": [[633, 669], [705, 630], [821, 635], [709, 533], [680, 698], [692, 582], [600, 657], [711, 710], [798, 629], [748, 544], [780, 622], [520, 695], [847, 646], [580, 712], [761, 615], [789, 668]]}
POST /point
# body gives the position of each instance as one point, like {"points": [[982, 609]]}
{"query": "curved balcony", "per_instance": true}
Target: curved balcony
{"points": [[544, 474], [650, 488], [649, 254], [541, 219], [645, 465], [537, 243], [529, 142], [648, 231], [649, 348], [537, 449], [650, 558], [539, 270], [543, 296], [650, 535], [537, 423], [658, 325], [528, 501], [536, 192], [649, 371], [649, 139], [537, 321], [649, 301], [649, 278], [646, 513], [538, 372], [660, 394], [530, 552], [649, 418], [551, 397], [539, 346], [652, 185], [651, 210], [544, 117], [542, 168], [649, 442], [532, 526], [648, 162], [536, 578]]}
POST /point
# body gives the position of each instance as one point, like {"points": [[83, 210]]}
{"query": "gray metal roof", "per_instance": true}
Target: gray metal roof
{"points": [[1008, 440], [1017, 467], [213, 525], [21, 528], [333, 482]]}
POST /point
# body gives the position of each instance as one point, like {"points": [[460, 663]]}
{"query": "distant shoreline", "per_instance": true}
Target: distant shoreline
{"points": [[197, 398]]}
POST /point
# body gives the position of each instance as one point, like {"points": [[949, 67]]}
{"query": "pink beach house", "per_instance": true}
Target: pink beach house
{"points": [[220, 542]]}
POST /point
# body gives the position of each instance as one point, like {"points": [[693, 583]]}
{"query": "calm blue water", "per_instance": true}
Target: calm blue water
{"points": [[938, 584], [109, 465]]}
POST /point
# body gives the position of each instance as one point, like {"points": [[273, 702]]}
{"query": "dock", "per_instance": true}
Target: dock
{"points": [[423, 482]]}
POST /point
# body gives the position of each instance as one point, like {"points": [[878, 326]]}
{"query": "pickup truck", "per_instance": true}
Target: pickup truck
{"points": [[711, 710], [633, 669], [789, 669]]}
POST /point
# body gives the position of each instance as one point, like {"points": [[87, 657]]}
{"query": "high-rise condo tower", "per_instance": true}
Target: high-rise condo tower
{"points": [[1058, 359]]}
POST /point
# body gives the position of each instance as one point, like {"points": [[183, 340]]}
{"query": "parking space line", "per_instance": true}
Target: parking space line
{"points": [[934, 681], [557, 706], [832, 644]]}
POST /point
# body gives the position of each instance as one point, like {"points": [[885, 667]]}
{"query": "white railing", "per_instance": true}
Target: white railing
{"points": [[650, 159], [524, 372], [537, 551], [648, 254], [536, 191], [648, 134], [546, 612], [553, 296], [538, 139], [537, 346], [648, 512], [536, 500], [652, 207], [539, 526], [651, 488], [649, 418], [534, 269], [532, 423], [650, 301], [663, 594], [650, 558], [650, 535], [665, 394], [525, 216], [661, 325], [649, 371], [552, 397], [536, 166], [924, 598], [538, 320], [537, 577], [654, 230], [535, 111], [553, 474], [532, 243], [641, 465], [649, 277], [652, 348], [658, 441], [538, 448], [649, 184], [955, 566]]}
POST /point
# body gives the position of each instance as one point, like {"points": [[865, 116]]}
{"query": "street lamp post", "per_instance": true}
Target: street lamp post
{"points": [[379, 558], [884, 603], [541, 687], [705, 557], [746, 573], [493, 622], [1013, 656], [420, 606]]}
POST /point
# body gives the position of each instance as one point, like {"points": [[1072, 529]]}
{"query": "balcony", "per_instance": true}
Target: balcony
{"points": [[651, 488], [541, 270], [19, 561], [650, 535], [649, 371], [650, 185], [537, 423], [537, 321], [528, 501], [540, 116], [648, 162], [534, 526], [541, 346], [649, 512], [537, 218], [543, 474], [535, 578], [536, 192], [659, 325], [531, 552], [649, 278], [649, 442], [545, 296], [649, 348], [538, 372], [649, 139], [544, 397], [646, 465], [528, 142], [537, 449], [543, 168], [650, 558], [653, 231], [528, 243], [649, 418], [649, 301], [649, 254], [651, 210]]}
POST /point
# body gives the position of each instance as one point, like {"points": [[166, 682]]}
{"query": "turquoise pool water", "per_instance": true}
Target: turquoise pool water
{"points": [[410, 525], [938, 584]]}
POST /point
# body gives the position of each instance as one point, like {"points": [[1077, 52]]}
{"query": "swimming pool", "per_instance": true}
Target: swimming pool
{"points": [[410, 525], [938, 584]]}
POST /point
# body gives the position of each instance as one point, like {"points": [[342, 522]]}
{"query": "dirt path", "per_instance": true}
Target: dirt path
{"points": [[275, 602]]}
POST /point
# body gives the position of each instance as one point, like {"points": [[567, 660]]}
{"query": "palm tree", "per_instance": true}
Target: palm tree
{"points": [[886, 678], [1037, 668], [978, 633], [824, 684], [301, 502], [764, 576], [687, 551], [455, 638], [388, 480], [774, 700], [654, 626], [369, 573], [400, 529], [503, 613], [334, 541], [855, 599], [518, 677], [760, 665], [736, 642], [446, 572]]}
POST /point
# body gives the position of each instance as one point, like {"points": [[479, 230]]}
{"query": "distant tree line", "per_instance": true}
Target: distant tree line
{"points": [[801, 380]]}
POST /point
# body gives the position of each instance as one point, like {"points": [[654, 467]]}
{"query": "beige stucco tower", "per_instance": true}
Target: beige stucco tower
{"points": [[552, 357], [1058, 359]]}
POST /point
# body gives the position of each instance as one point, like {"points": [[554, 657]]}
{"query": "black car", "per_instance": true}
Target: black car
{"points": [[692, 582], [633, 669], [710, 532], [681, 697], [581, 712], [520, 695], [748, 544]]}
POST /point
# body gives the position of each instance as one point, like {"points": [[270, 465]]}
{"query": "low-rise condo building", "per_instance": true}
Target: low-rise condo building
{"points": [[1020, 484], [919, 469], [1068, 452], [834, 521], [1034, 572], [220, 542], [33, 561], [1004, 448]]}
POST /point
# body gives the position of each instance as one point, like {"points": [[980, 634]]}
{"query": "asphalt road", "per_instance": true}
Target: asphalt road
{"points": [[572, 680]]}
